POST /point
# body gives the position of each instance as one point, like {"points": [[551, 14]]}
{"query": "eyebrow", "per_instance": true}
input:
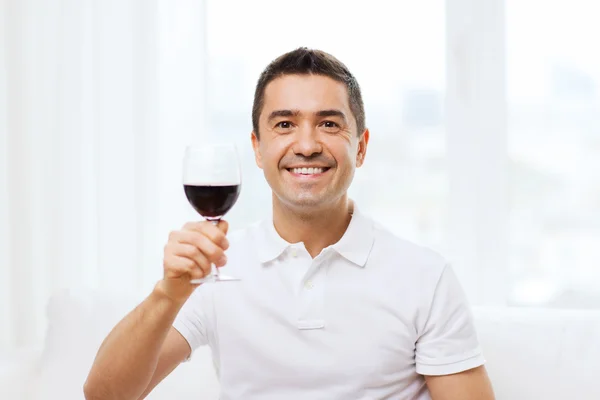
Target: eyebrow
{"points": [[331, 113], [283, 113], [295, 113]]}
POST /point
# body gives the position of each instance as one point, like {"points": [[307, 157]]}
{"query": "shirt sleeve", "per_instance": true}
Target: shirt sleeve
{"points": [[448, 343], [191, 322]]}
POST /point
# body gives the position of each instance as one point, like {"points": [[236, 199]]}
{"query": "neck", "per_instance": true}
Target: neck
{"points": [[317, 229]]}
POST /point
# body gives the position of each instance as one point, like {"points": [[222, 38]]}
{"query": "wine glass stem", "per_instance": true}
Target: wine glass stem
{"points": [[216, 272]]}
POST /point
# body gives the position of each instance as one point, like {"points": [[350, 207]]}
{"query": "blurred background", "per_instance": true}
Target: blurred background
{"points": [[484, 119]]}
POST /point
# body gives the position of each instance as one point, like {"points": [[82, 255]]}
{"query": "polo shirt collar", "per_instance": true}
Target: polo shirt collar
{"points": [[357, 242], [269, 244], [355, 245]]}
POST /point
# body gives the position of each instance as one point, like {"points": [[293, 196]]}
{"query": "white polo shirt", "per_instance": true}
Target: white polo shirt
{"points": [[365, 319]]}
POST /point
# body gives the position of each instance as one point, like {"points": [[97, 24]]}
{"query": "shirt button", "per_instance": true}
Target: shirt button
{"points": [[309, 285], [294, 253]]}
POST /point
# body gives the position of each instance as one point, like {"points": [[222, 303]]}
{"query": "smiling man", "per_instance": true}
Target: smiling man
{"points": [[330, 304]]}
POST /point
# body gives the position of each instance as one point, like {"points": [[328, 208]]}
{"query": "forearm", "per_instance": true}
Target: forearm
{"points": [[128, 356]]}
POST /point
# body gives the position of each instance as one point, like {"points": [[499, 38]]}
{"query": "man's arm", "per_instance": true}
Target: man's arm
{"points": [[174, 351], [473, 384], [140, 351], [144, 347]]}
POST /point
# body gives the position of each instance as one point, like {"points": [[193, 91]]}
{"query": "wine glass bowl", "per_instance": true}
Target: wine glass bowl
{"points": [[212, 184], [212, 201]]}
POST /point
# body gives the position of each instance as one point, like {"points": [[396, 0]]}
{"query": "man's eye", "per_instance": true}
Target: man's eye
{"points": [[284, 125], [330, 125]]}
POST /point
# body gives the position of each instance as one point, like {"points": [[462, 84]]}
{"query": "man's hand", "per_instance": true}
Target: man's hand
{"points": [[473, 384], [188, 255]]}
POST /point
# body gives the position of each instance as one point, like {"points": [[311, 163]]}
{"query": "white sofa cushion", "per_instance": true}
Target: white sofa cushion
{"points": [[16, 369], [78, 321], [541, 353]]}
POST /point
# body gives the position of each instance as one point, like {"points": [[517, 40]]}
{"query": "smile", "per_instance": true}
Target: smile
{"points": [[308, 171]]}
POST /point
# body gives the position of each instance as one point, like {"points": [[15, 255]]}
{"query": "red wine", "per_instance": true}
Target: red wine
{"points": [[212, 202]]}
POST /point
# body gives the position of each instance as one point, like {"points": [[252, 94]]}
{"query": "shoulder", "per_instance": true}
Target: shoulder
{"points": [[405, 256]]}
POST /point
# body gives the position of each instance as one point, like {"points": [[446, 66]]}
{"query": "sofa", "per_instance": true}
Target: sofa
{"points": [[532, 354]]}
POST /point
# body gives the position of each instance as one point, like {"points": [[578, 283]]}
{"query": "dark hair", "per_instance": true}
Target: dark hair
{"points": [[304, 61]]}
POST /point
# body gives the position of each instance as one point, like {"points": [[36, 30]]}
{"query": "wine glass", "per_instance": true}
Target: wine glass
{"points": [[212, 181]]}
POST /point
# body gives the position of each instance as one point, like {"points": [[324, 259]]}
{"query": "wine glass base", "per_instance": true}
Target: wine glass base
{"points": [[214, 278]]}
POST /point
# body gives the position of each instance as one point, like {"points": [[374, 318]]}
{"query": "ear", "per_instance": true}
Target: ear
{"points": [[256, 148], [363, 142]]}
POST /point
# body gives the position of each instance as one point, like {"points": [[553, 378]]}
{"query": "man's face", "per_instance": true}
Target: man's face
{"points": [[308, 146]]}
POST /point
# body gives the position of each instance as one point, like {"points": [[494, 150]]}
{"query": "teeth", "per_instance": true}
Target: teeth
{"points": [[307, 171]]}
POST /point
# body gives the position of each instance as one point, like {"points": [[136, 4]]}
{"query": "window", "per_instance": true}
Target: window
{"points": [[553, 68]]}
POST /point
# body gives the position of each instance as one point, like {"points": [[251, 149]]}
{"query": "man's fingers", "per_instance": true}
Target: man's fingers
{"points": [[223, 226], [185, 258], [197, 274], [192, 252], [176, 265], [203, 243], [216, 233], [213, 252]]}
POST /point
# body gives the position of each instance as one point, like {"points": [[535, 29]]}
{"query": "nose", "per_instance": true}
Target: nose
{"points": [[307, 142]]}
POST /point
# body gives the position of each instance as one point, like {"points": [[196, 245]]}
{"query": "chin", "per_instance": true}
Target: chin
{"points": [[307, 203]]}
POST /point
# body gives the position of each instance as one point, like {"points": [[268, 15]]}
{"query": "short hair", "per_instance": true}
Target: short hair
{"points": [[304, 61]]}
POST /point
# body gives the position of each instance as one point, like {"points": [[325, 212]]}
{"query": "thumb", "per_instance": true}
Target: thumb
{"points": [[223, 226]]}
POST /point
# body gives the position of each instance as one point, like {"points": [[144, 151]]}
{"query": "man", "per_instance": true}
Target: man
{"points": [[330, 305]]}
